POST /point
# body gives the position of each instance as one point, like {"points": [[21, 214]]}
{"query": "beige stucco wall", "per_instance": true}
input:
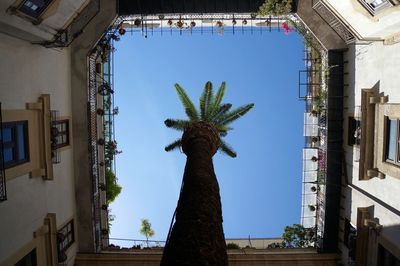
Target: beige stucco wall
{"points": [[359, 19], [372, 65], [27, 72]]}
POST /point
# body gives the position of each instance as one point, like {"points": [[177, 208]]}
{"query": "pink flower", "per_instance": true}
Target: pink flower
{"points": [[286, 28]]}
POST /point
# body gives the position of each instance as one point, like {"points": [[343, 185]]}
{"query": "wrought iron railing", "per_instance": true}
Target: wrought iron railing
{"points": [[55, 153], [94, 151], [101, 127], [315, 151], [3, 188], [218, 24]]}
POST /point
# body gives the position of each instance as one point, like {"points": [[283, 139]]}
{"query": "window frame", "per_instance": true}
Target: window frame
{"points": [[396, 160], [14, 143], [30, 13], [375, 10], [66, 243], [62, 133]]}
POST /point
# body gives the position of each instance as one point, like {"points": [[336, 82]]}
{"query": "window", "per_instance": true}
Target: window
{"points": [[386, 258], [65, 238], [354, 131], [374, 6], [392, 151], [28, 260], [60, 134], [15, 143], [34, 8]]}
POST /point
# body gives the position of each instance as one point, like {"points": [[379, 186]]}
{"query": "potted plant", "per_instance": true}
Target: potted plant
{"points": [[100, 111]]}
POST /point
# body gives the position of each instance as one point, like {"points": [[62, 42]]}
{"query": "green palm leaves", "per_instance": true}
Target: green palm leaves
{"points": [[212, 111]]}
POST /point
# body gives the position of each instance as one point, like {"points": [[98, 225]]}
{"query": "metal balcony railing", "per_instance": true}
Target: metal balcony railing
{"points": [[55, 153], [313, 91]]}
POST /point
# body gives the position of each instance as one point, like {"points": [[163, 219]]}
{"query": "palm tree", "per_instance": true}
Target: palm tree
{"points": [[197, 237]]}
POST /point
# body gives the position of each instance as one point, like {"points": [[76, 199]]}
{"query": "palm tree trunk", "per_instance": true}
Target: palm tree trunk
{"points": [[197, 237]]}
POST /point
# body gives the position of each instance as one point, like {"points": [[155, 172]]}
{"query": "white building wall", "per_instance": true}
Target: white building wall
{"points": [[27, 71], [356, 16], [372, 65], [375, 64]]}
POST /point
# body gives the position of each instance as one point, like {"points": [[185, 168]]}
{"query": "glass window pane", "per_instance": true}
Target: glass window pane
{"points": [[7, 134], [8, 155], [21, 142], [391, 140]]}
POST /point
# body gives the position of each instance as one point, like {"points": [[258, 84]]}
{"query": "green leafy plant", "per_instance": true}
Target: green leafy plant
{"points": [[112, 187], [296, 236], [146, 230], [232, 246], [110, 150], [275, 7]]}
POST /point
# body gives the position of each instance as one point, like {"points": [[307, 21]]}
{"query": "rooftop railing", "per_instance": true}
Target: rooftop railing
{"points": [[313, 91]]}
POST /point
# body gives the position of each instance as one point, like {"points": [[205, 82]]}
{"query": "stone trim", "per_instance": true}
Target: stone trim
{"points": [[335, 23]]}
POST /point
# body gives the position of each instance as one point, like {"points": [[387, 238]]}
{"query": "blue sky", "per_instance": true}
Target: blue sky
{"points": [[261, 188]]}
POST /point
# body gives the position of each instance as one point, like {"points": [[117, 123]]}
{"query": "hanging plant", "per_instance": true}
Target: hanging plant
{"points": [[192, 24], [179, 24], [312, 208], [137, 22], [102, 186], [115, 37], [314, 139], [100, 111], [105, 89], [220, 24], [244, 22], [170, 22], [314, 159], [121, 31]]}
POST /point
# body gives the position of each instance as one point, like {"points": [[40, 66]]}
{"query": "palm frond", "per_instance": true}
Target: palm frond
{"points": [[174, 145], [187, 103], [235, 114], [177, 124], [225, 148], [223, 128], [208, 100], [205, 100], [218, 98], [221, 111]]}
